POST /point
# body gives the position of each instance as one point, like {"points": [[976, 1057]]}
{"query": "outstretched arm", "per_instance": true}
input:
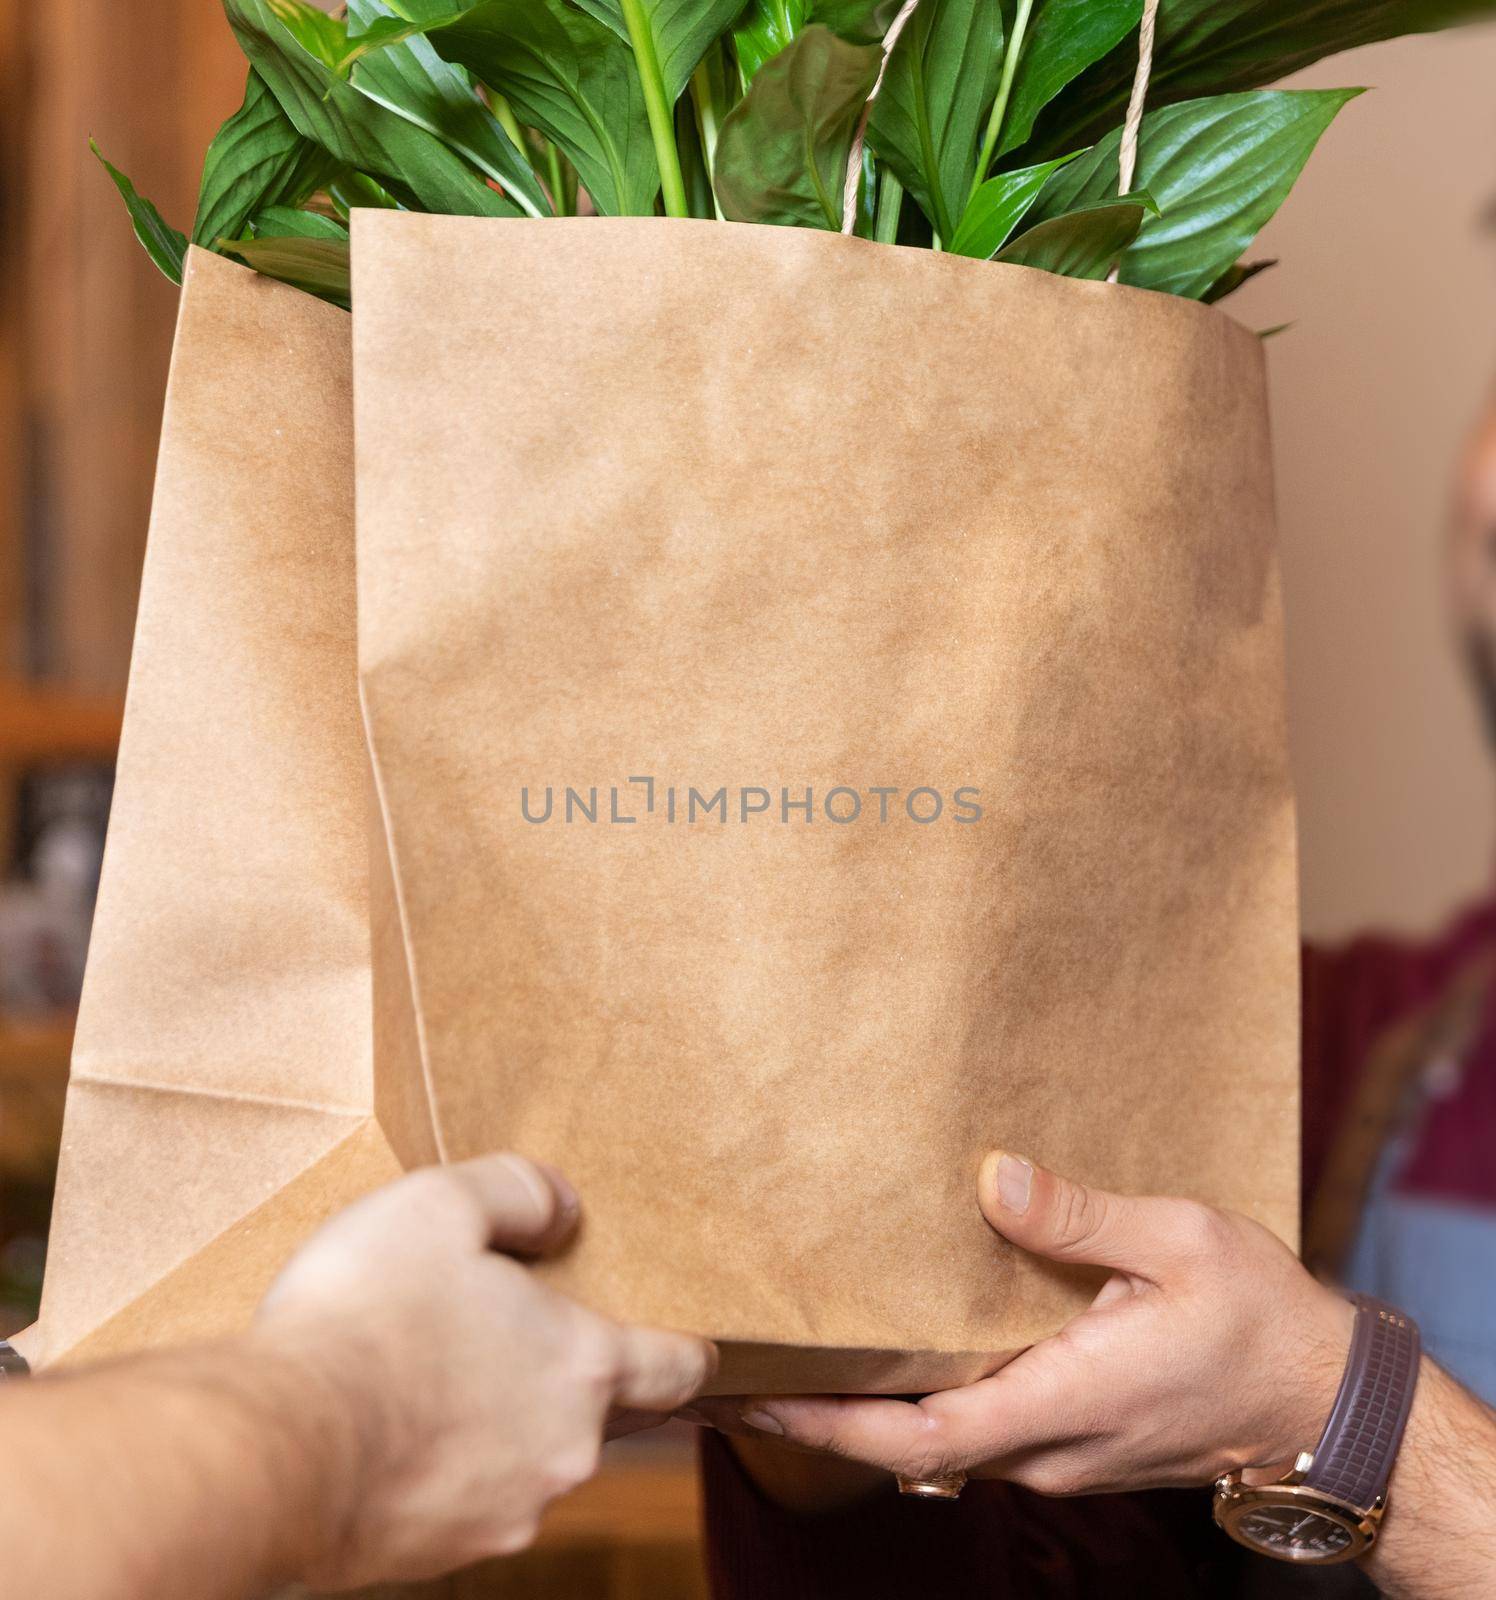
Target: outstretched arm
{"points": [[408, 1401]]}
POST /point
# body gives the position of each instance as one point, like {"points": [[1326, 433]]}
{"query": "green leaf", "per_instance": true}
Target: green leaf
{"points": [[257, 159], [782, 154], [412, 79], [767, 26], [1234, 277], [857, 21], [1065, 38], [286, 222], [1205, 47], [163, 244], [679, 32], [355, 130], [320, 266], [927, 119], [572, 77], [998, 207], [373, 35], [1082, 244], [348, 189], [764, 29], [315, 30], [1219, 168]]}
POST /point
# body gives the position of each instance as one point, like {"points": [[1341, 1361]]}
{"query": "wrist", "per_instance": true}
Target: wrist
{"points": [[1307, 1377], [318, 1437]]}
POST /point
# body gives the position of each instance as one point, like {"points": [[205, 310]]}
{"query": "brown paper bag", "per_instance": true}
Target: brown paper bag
{"points": [[222, 1091], [826, 709], [726, 509]]}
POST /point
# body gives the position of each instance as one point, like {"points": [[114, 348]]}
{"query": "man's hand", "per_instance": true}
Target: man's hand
{"points": [[1208, 1347], [476, 1395]]}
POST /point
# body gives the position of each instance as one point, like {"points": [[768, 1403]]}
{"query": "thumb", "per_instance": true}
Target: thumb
{"points": [[659, 1371], [1067, 1221]]}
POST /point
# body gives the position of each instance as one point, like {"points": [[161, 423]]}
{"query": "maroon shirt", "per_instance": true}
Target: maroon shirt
{"points": [[999, 1540]]}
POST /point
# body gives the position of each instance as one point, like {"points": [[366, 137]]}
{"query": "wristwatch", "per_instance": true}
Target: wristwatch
{"points": [[1328, 1508]]}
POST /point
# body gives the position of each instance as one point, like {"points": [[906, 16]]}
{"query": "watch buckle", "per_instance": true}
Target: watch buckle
{"points": [[1303, 1463]]}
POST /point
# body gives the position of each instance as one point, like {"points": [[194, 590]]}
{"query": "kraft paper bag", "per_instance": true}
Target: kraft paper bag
{"points": [[826, 711], [222, 1099]]}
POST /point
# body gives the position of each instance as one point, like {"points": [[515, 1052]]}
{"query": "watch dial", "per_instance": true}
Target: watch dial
{"points": [[1294, 1533]]}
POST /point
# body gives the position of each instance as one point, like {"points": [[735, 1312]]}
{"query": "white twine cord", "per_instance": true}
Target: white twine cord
{"points": [[854, 160], [1127, 155]]}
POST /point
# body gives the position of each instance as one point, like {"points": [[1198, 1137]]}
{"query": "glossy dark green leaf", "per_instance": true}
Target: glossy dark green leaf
{"points": [[1064, 38], [1083, 244], [257, 159], [317, 31], [1234, 277], [764, 28], [286, 222], [678, 31], [163, 244], [1218, 168], [998, 207], [412, 79], [1205, 47], [572, 77], [355, 130], [320, 266], [782, 154], [928, 117]]}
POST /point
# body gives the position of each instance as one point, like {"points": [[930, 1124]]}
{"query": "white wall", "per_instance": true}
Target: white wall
{"points": [[1388, 269]]}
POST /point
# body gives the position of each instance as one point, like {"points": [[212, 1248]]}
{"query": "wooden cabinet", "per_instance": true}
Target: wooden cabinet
{"points": [[85, 319]]}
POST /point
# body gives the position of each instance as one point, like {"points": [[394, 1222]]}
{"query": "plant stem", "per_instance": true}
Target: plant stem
{"points": [[504, 113], [1004, 89], [890, 203], [657, 107], [555, 180], [709, 120]]}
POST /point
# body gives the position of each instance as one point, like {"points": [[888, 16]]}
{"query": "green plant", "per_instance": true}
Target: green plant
{"points": [[995, 132]]}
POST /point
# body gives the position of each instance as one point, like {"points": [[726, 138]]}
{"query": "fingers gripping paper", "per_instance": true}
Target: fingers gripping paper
{"points": [[826, 708], [826, 721]]}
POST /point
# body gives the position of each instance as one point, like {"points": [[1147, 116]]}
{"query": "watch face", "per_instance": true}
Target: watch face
{"points": [[1294, 1532]]}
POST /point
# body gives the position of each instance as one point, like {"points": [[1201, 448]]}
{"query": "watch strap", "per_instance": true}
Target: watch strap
{"points": [[1354, 1457]]}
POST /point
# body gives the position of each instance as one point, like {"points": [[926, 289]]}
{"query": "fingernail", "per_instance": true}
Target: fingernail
{"points": [[762, 1420], [568, 1203], [1015, 1182], [536, 1183]]}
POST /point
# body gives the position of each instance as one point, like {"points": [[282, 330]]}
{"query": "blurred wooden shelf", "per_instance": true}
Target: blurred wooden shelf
{"points": [[33, 1084], [41, 725], [644, 1504], [38, 723], [632, 1533]]}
